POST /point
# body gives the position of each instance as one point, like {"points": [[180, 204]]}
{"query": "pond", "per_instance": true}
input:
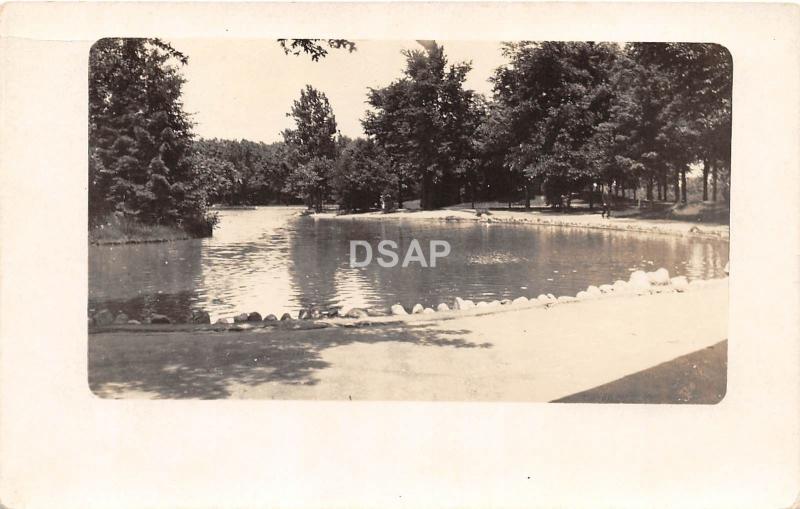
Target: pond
{"points": [[272, 260]]}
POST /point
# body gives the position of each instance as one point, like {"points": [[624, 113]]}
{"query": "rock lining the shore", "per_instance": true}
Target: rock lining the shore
{"points": [[639, 283], [398, 310]]}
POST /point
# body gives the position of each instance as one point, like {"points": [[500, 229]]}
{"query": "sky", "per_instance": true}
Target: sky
{"points": [[243, 88]]}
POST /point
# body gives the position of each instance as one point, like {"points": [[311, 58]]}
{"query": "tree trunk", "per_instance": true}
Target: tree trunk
{"points": [[683, 185], [426, 201], [472, 191], [726, 187], [399, 193], [714, 182], [658, 189], [527, 196], [676, 186], [650, 189], [705, 180], [510, 188]]}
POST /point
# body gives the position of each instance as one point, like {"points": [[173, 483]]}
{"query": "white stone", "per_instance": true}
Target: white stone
{"points": [[606, 289], [582, 295], [593, 290], [639, 282], [427, 311], [659, 277], [622, 287], [519, 300], [566, 298], [481, 304], [727, 268], [418, 308], [397, 309], [551, 296], [462, 304], [680, 283], [442, 307], [494, 303]]}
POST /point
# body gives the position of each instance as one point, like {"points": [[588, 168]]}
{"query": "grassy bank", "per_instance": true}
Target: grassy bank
{"points": [[126, 231], [699, 378]]}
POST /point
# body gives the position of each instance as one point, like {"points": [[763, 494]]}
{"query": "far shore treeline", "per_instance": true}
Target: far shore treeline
{"points": [[565, 119]]}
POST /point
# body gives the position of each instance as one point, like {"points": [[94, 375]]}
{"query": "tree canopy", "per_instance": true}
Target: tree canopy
{"points": [[563, 118], [311, 145], [424, 121]]}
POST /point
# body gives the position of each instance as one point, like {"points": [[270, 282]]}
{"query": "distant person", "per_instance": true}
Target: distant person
{"points": [[606, 202]]}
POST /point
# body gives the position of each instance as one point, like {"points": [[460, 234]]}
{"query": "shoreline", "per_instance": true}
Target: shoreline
{"points": [[527, 352], [533, 217], [640, 283], [673, 227], [148, 234]]}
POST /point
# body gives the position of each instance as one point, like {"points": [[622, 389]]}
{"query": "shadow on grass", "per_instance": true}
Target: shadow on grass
{"points": [[203, 365], [697, 378]]}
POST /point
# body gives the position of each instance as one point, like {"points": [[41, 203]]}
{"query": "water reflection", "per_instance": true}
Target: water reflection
{"points": [[273, 261]]}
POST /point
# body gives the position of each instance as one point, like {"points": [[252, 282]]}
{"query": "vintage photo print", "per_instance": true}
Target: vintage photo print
{"points": [[377, 255], [414, 220]]}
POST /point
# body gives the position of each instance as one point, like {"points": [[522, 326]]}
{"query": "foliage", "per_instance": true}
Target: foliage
{"points": [[564, 117], [312, 147], [242, 172], [315, 47], [572, 114], [424, 122], [140, 137], [554, 94], [362, 175]]}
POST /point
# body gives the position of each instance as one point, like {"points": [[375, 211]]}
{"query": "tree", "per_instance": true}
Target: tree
{"points": [[696, 120], [140, 137], [217, 175], [362, 175], [628, 147], [424, 121], [554, 95], [312, 145]]}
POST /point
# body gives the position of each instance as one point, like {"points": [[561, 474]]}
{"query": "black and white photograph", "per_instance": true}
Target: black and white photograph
{"points": [[432, 220], [389, 255]]}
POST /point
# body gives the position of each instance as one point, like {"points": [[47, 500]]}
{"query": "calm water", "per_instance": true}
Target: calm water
{"points": [[271, 260]]}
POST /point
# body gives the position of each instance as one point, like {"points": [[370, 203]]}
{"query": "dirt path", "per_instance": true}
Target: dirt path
{"points": [[524, 354]]}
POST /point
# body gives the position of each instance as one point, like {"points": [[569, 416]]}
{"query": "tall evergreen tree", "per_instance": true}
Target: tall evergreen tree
{"points": [[139, 136]]}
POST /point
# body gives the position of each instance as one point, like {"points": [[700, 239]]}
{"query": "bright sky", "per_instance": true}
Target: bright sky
{"points": [[244, 88]]}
